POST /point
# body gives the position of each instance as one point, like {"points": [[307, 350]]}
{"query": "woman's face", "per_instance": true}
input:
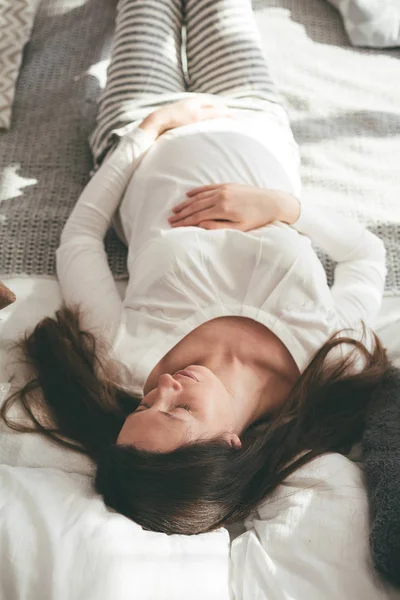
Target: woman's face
{"points": [[184, 407]]}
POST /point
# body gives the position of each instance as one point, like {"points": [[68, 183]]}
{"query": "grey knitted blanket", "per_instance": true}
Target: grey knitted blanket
{"points": [[381, 456], [350, 150]]}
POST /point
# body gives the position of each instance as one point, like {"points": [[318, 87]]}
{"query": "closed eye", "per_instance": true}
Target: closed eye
{"points": [[144, 406]]}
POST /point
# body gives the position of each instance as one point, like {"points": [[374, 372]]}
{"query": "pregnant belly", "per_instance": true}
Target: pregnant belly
{"points": [[173, 166]]}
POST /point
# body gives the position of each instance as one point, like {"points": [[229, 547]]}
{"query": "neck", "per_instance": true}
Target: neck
{"points": [[259, 386]]}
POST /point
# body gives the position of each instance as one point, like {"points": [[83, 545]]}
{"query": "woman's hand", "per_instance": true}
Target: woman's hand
{"points": [[191, 110], [235, 206]]}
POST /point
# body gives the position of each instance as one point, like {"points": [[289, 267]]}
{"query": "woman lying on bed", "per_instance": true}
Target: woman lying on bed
{"points": [[215, 379]]}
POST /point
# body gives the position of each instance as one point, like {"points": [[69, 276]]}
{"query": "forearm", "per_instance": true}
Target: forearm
{"points": [[82, 267], [100, 198], [87, 284], [341, 238], [361, 270]]}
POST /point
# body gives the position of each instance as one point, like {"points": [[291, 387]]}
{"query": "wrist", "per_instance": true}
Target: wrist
{"points": [[287, 208], [154, 125]]}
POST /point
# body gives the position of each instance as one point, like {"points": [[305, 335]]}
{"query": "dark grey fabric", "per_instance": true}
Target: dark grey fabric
{"points": [[381, 456], [45, 158]]}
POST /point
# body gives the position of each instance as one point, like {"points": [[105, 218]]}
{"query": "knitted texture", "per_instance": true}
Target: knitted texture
{"points": [[16, 20], [381, 455]]}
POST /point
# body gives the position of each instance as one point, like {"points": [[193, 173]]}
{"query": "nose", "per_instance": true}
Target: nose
{"points": [[166, 382], [166, 389]]}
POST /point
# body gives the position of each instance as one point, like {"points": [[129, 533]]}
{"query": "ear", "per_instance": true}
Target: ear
{"points": [[233, 440]]}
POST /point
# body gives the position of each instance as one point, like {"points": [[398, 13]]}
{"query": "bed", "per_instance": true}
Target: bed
{"points": [[310, 540]]}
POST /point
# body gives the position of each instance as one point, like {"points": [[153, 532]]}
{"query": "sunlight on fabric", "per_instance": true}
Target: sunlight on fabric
{"points": [[99, 71], [61, 8], [12, 184], [23, 289], [253, 569], [295, 513]]}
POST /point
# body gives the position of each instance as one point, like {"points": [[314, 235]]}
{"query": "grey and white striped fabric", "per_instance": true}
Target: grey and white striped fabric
{"points": [[223, 53]]}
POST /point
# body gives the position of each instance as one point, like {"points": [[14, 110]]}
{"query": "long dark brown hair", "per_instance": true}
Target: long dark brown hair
{"points": [[201, 486]]}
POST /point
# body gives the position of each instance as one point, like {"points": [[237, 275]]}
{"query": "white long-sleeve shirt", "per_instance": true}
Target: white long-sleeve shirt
{"points": [[180, 278]]}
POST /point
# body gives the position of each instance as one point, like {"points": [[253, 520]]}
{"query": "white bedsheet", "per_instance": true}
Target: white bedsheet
{"points": [[58, 542]]}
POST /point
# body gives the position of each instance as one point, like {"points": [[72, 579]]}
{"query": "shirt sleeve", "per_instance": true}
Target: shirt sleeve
{"points": [[361, 270], [82, 267]]}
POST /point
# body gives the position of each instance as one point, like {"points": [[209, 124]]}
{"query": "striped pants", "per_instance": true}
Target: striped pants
{"points": [[150, 66]]}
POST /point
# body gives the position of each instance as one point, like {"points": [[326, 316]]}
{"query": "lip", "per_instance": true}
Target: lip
{"points": [[187, 373]]}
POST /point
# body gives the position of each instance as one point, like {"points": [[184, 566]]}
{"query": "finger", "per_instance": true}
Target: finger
{"points": [[193, 209], [183, 205], [204, 188], [192, 220]]}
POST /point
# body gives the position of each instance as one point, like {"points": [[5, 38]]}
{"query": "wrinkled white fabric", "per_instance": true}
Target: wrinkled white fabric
{"points": [[309, 540], [59, 542]]}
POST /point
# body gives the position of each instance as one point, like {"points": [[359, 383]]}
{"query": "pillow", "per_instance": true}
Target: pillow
{"points": [[373, 23], [309, 539], [16, 20], [59, 542]]}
